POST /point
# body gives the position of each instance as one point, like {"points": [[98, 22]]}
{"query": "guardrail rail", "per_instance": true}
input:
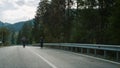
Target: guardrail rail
{"points": [[111, 52]]}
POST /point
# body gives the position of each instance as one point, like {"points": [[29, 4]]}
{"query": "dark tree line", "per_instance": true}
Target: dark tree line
{"points": [[26, 32], [77, 21], [4, 36], [81, 21]]}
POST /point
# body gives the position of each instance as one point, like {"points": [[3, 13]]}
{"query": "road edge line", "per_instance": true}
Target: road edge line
{"points": [[95, 58], [52, 65]]}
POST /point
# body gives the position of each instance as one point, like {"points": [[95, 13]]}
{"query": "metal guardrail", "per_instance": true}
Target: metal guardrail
{"points": [[92, 46], [81, 48]]}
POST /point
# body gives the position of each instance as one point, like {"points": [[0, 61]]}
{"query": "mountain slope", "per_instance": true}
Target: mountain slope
{"points": [[17, 26]]}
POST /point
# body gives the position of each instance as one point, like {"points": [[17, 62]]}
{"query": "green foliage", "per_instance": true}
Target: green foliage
{"points": [[26, 31], [38, 29], [50, 18], [4, 35], [91, 21], [114, 27]]}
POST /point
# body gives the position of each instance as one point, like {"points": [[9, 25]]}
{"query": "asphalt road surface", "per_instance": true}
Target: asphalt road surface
{"points": [[35, 57]]}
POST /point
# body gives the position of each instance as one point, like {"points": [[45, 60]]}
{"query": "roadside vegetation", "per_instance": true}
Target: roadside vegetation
{"points": [[74, 21], [4, 37], [78, 21]]}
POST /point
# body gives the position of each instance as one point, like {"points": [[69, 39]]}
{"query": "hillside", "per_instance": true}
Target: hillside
{"points": [[17, 26]]}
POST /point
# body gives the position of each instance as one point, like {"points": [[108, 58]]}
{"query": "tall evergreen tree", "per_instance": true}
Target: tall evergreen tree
{"points": [[38, 29], [114, 27], [26, 31], [4, 35]]}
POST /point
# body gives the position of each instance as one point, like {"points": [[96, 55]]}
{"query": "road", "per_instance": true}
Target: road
{"points": [[35, 57]]}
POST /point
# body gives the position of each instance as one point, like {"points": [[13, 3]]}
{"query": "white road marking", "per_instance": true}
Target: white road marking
{"points": [[94, 57], [52, 65]]}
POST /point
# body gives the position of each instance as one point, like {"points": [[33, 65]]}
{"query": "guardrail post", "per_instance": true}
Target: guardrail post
{"points": [[76, 49], [81, 50], [70, 48], [63, 48], [104, 53], [95, 52], [66, 48], [87, 50], [60, 47], [117, 55]]}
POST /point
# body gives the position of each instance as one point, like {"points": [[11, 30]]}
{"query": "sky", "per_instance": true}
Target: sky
{"points": [[12, 11]]}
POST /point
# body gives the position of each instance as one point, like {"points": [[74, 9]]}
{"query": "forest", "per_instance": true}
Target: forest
{"points": [[75, 21], [78, 21]]}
